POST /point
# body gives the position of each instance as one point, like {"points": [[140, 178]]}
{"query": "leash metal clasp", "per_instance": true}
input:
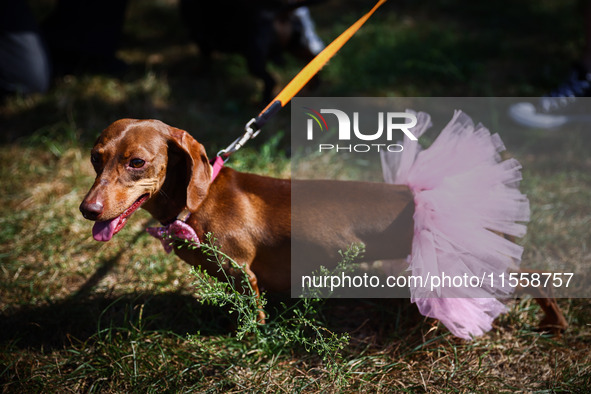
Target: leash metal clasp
{"points": [[250, 130], [249, 133]]}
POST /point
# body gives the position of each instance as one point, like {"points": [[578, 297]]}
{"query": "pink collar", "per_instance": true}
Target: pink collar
{"points": [[216, 166], [179, 229]]}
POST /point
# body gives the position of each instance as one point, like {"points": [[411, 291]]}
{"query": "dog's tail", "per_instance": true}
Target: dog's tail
{"points": [[466, 197]]}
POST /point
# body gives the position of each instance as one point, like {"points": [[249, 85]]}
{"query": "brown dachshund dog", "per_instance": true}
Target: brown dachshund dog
{"points": [[166, 171]]}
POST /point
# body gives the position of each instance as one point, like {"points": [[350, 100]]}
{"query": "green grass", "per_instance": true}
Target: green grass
{"points": [[82, 316]]}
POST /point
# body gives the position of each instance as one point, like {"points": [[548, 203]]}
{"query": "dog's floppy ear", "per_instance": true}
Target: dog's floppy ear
{"points": [[198, 168]]}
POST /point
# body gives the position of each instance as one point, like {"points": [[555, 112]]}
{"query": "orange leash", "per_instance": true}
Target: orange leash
{"points": [[253, 127]]}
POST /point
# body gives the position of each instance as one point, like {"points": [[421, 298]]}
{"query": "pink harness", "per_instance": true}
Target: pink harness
{"points": [[179, 229]]}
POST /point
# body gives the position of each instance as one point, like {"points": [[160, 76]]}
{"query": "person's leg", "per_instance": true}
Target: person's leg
{"points": [[24, 64], [586, 57], [309, 37], [84, 35]]}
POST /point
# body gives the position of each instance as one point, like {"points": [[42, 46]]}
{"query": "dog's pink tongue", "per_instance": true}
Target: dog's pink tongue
{"points": [[103, 231]]}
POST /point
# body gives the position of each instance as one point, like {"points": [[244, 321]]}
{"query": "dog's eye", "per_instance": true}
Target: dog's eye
{"points": [[136, 163], [95, 159]]}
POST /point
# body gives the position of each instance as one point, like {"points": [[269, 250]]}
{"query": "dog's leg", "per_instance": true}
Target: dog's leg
{"points": [[554, 320], [252, 280]]}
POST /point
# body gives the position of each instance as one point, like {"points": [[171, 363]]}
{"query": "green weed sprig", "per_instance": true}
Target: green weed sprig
{"points": [[295, 326]]}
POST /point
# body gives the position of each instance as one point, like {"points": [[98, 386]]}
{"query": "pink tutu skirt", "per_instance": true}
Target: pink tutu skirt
{"points": [[466, 197]]}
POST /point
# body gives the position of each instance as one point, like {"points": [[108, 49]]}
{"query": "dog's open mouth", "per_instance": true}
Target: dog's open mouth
{"points": [[104, 231]]}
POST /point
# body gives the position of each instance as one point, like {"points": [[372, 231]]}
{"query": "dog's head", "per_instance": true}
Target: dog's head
{"points": [[144, 163]]}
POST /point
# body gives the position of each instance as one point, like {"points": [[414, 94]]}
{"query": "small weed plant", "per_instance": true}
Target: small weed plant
{"points": [[295, 327]]}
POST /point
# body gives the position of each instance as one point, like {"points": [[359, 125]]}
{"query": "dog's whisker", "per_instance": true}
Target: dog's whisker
{"points": [[163, 193]]}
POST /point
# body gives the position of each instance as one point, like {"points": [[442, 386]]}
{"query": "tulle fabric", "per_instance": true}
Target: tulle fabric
{"points": [[465, 197]]}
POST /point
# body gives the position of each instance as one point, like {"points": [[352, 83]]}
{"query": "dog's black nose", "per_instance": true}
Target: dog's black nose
{"points": [[91, 210]]}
